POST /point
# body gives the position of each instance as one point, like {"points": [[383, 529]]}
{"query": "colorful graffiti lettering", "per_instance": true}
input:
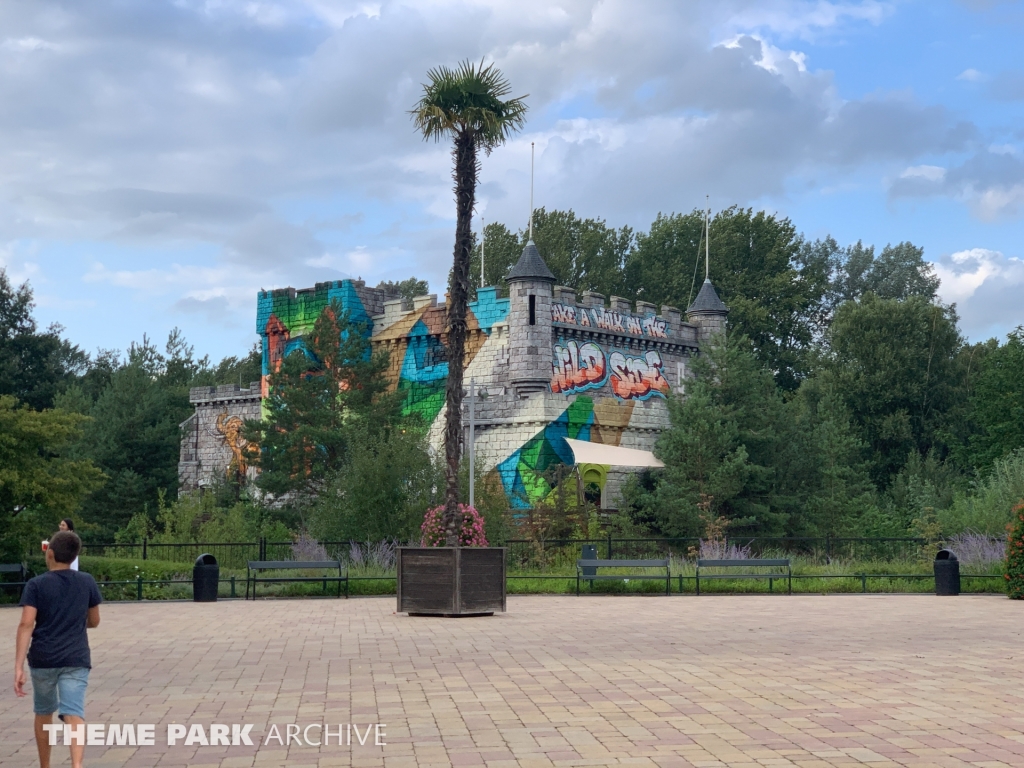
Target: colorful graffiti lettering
{"points": [[577, 368], [637, 377], [651, 325], [655, 326], [561, 313]]}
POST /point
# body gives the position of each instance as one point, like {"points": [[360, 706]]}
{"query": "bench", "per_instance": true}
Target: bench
{"points": [[788, 575], [17, 568], [586, 570], [256, 566]]}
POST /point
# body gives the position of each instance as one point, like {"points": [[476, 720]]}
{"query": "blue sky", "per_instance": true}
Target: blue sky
{"points": [[160, 162]]}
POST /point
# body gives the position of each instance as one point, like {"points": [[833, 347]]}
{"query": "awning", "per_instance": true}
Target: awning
{"points": [[596, 453]]}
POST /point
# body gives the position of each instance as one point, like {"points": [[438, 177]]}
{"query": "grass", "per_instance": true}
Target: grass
{"points": [[810, 576]]}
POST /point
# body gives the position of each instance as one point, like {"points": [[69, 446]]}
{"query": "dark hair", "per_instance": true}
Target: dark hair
{"points": [[69, 523], [65, 546]]}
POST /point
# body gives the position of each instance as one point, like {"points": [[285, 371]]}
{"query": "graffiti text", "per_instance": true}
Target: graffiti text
{"points": [[579, 367], [600, 317]]}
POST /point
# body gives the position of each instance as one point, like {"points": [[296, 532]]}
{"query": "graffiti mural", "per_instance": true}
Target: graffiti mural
{"points": [[580, 367], [637, 377], [523, 473], [231, 428], [605, 320]]}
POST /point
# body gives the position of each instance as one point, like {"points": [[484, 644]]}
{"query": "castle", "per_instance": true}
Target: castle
{"points": [[547, 365]]}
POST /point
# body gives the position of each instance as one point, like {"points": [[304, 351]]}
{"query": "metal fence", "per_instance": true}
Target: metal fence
{"points": [[528, 554]]}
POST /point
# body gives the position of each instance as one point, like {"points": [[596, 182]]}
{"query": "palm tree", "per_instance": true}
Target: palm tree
{"points": [[468, 104]]}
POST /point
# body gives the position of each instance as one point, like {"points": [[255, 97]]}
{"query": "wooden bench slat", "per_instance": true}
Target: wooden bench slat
{"points": [[623, 563], [740, 563], [277, 565]]}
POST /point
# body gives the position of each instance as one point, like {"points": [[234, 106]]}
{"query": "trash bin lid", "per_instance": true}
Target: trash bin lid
{"points": [[206, 559], [946, 554]]}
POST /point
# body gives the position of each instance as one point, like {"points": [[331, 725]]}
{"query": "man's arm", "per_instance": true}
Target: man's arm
{"points": [[93, 617], [25, 627]]}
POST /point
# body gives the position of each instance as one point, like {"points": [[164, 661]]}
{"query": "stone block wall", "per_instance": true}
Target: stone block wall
{"points": [[212, 447]]}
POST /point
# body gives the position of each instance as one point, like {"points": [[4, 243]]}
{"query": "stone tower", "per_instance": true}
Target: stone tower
{"points": [[707, 312], [530, 284]]}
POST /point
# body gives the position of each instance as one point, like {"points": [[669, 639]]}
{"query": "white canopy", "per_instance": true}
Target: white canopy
{"points": [[595, 453]]}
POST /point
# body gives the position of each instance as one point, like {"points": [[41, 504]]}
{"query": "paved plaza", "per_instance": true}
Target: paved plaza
{"points": [[738, 681]]}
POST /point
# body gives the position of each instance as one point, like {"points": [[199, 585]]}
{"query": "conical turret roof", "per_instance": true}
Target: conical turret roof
{"points": [[530, 266], [707, 300]]}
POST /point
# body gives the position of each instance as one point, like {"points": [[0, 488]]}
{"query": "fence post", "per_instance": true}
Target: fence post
{"points": [[609, 545], [828, 548], [145, 542], [233, 587], [864, 582], [138, 587]]}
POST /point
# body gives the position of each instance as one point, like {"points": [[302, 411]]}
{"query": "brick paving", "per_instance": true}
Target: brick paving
{"points": [[737, 681]]}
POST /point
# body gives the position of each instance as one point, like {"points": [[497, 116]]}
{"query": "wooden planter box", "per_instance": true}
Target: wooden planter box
{"points": [[451, 581]]}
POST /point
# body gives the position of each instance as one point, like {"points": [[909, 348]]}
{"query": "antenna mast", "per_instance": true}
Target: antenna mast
{"points": [[483, 239], [707, 239], [531, 190]]}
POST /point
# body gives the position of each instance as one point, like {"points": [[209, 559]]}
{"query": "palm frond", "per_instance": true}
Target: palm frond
{"points": [[469, 98]]}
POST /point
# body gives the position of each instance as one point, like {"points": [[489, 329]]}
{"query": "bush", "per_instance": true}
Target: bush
{"points": [[1015, 555], [987, 508]]}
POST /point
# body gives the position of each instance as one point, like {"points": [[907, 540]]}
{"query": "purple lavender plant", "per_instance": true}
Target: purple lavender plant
{"points": [[306, 548], [977, 549], [717, 549]]}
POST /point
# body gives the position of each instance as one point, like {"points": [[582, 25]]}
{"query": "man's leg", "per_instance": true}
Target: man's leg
{"points": [[43, 739], [44, 697], [71, 685], [77, 745]]}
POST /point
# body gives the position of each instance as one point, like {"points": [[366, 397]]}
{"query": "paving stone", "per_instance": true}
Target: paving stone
{"points": [[752, 681]]}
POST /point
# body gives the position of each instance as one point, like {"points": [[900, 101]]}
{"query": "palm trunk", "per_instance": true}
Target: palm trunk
{"points": [[458, 295]]}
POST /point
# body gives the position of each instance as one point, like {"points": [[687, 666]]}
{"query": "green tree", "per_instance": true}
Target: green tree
{"points": [[502, 249], [39, 482], [407, 289], [728, 449], [998, 402], [898, 369], [839, 492], [34, 366], [381, 492], [318, 400], [773, 297], [468, 105]]}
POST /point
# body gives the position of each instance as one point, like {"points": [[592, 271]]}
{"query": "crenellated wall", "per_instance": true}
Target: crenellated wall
{"points": [[546, 365]]}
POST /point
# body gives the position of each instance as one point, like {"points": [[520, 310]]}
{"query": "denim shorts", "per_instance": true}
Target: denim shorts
{"points": [[61, 689]]}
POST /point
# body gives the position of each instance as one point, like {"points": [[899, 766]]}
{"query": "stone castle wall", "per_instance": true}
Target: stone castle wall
{"points": [[212, 447], [546, 365]]}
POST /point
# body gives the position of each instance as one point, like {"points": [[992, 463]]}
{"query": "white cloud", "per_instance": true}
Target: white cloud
{"points": [[970, 76], [240, 130], [990, 183], [986, 286], [926, 172]]}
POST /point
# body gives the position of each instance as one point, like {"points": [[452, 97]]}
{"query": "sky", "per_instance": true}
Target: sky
{"points": [[161, 162]]}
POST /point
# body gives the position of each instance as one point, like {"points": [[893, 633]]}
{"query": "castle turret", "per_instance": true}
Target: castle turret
{"points": [[707, 312], [530, 285]]}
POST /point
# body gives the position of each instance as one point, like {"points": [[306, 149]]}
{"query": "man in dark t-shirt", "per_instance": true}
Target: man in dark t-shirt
{"points": [[57, 608]]}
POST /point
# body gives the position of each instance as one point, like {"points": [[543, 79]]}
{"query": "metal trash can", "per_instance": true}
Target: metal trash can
{"points": [[589, 553], [947, 573], [205, 577]]}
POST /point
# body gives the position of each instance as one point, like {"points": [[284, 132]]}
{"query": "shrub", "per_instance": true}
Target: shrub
{"points": [[1015, 554], [471, 535]]}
